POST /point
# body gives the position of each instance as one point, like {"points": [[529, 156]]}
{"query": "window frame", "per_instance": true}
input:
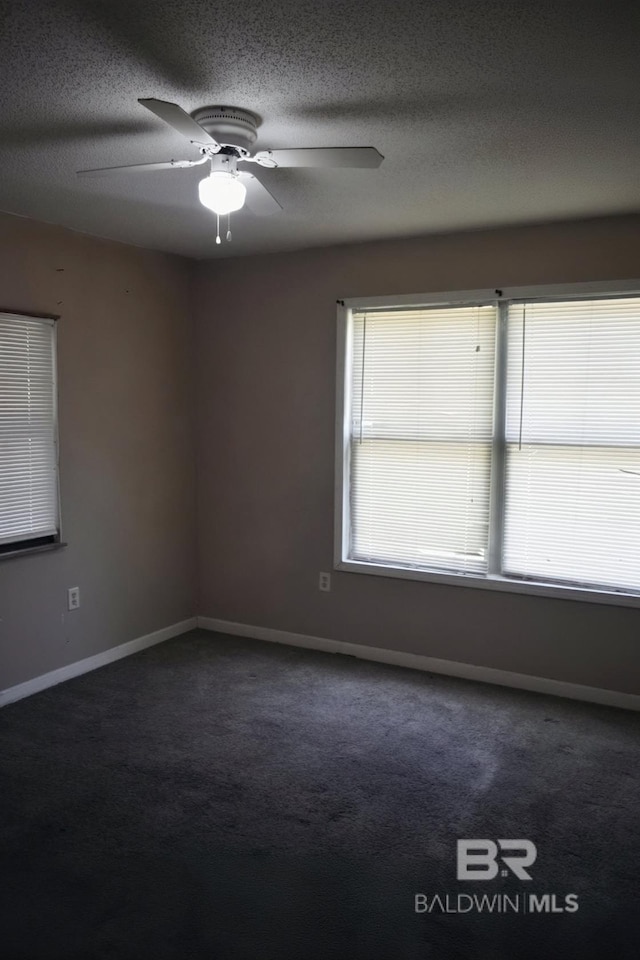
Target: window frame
{"points": [[492, 580], [47, 542]]}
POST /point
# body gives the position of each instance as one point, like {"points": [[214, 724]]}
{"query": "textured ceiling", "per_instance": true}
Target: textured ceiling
{"points": [[487, 113]]}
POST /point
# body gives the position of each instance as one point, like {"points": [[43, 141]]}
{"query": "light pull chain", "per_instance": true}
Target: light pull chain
{"points": [[218, 240], [229, 227]]}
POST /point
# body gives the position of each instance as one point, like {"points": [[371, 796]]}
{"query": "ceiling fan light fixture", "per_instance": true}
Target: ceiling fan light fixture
{"points": [[222, 192]]}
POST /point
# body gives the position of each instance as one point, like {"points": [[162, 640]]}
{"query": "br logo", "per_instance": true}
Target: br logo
{"points": [[481, 859]]}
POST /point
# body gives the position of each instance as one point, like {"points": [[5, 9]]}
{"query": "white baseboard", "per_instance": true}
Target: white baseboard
{"points": [[504, 678], [451, 668], [11, 694]]}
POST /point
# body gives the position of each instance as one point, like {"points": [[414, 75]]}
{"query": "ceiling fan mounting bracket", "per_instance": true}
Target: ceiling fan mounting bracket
{"points": [[230, 126]]}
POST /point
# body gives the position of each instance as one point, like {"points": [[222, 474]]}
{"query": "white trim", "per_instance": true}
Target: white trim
{"points": [[494, 582], [343, 435], [550, 291], [56, 429], [450, 668], [11, 694]]}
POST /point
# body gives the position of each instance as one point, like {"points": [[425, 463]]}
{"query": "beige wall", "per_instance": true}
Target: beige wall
{"points": [[265, 406], [126, 448], [266, 348]]}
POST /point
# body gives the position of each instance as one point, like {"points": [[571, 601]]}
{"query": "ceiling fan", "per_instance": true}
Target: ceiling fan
{"points": [[225, 136]]}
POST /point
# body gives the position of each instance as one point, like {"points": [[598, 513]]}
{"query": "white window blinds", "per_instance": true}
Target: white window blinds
{"points": [[422, 383], [28, 473], [572, 510]]}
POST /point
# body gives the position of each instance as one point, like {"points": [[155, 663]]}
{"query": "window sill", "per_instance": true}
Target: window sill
{"points": [[501, 584], [29, 551]]}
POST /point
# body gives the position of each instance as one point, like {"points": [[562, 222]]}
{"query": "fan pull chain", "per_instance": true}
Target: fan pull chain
{"points": [[229, 227], [218, 240]]}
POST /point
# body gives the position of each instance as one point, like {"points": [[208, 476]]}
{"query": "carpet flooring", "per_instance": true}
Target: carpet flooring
{"points": [[214, 798]]}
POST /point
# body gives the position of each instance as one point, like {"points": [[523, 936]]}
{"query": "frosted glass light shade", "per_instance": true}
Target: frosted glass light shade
{"points": [[222, 192]]}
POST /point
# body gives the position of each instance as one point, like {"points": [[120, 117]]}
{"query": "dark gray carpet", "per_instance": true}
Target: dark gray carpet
{"points": [[222, 798]]}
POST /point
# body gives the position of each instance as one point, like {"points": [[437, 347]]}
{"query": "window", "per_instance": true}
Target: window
{"points": [[493, 438], [29, 512]]}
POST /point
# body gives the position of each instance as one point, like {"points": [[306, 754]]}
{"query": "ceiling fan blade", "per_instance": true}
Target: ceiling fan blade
{"points": [[258, 197], [140, 167], [180, 120], [321, 157]]}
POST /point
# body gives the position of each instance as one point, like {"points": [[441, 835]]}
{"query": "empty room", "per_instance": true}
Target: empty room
{"points": [[319, 480]]}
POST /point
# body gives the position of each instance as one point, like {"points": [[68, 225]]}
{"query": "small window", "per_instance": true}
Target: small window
{"points": [[495, 441], [29, 504]]}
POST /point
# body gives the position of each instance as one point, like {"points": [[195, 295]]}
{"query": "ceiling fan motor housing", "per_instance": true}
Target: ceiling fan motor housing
{"points": [[230, 126]]}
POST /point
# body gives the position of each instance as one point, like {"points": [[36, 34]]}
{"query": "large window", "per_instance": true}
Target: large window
{"points": [[494, 438], [28, 461]]}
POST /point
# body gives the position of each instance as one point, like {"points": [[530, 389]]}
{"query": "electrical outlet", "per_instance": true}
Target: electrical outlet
{"points": [[73, 598], [325, 582]]}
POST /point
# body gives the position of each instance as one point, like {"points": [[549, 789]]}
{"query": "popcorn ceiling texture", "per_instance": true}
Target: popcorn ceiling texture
{"points": [[486, 113]]}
